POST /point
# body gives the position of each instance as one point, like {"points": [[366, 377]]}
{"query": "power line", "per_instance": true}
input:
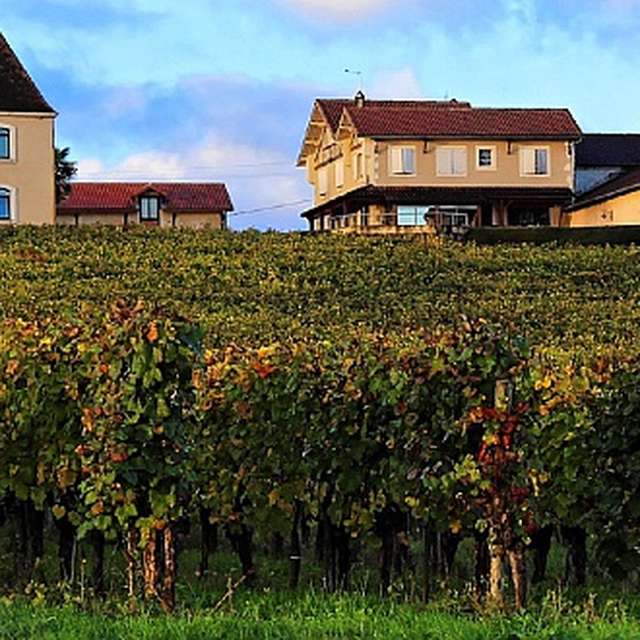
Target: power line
{"points": [[115, 175], [203, 167], [274, 207]]}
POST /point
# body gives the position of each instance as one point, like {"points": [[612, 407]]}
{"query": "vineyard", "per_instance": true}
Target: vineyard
{"points": [[338, 402]]}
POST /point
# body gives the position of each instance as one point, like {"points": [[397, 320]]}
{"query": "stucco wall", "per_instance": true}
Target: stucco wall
{"points": [[30, 173], [376, 165], [212, 220], [624, 210], [507, 172]]}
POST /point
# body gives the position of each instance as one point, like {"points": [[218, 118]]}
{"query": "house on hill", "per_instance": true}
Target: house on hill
{"points": [[27, 157], [602, 157], [404, 166], [607, 181], [178, 204]]}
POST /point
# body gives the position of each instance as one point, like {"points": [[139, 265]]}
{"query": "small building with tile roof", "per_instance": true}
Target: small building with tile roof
{"points": [[27, 160], [163, 204], [388, 166]]}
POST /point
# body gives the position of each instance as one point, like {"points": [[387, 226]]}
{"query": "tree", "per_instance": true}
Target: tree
{"points": [[65, 170]]}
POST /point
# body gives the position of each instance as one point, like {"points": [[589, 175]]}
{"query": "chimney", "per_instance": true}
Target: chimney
{"points": [[360, 99]]}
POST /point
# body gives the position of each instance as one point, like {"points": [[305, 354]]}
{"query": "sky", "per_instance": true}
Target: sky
{"points": [[221, 90]]}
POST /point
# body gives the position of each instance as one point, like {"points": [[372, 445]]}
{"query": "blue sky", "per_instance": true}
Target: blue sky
{"points": [[222, 89]]}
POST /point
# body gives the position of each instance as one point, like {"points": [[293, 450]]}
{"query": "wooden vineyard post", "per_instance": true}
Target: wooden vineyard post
{"points": [[168, 597], [502, 402]]}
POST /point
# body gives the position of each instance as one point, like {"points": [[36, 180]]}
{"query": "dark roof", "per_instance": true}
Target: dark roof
{"points": [[18, 92], [444, 196], [456, 120], [609, 150], [118, 196], [619, 186]]}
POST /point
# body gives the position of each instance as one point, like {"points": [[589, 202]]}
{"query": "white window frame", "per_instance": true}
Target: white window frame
{"points": [[12, 142], [401, 148], [441, 174], [494, 157], [534, 148], [323, 181], [339, 173], [13, 204]]}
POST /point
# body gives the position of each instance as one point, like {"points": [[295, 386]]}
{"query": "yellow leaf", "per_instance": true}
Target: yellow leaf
{"points": [[59, 512]]}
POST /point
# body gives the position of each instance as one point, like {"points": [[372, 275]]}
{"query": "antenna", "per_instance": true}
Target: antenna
{"points": [[360, 77]]}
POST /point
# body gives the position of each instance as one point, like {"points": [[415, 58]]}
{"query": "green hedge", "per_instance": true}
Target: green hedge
{"points": [[623, 235]]}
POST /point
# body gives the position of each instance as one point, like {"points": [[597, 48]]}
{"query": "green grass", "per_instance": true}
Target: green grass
{"points": [[312, 617]]}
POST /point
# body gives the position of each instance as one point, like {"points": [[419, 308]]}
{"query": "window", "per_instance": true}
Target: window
{"points": [[451, 216], [486, 158], [451, 161], [5, 143], [534, 161], [5, 204], [340, 172], [323, 181], [411, 216], [403, 161], [150, 209]]}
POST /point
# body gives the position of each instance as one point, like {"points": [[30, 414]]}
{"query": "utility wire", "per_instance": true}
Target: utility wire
{"points": [[114, 175], [274, 207]]}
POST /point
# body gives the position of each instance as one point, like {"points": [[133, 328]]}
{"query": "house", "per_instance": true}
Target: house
{"points": [[601, 157], [607, 181], [616, 202], [27, 157], [405, 166], [178, 204]]}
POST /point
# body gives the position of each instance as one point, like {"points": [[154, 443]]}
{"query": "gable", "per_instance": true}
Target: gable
{"points": [[18, 92]]}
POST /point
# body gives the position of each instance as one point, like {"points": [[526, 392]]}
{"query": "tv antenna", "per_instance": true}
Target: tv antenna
{"points": [[360, 75]]}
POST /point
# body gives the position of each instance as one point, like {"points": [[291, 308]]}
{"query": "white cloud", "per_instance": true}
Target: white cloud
{"points": [[338, 9], [402, 84]]}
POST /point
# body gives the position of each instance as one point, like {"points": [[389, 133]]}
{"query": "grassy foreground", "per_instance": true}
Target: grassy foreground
{"points": [[312, 617]]}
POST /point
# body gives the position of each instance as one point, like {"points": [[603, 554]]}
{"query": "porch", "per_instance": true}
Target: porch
{"points": [[450, 211]]}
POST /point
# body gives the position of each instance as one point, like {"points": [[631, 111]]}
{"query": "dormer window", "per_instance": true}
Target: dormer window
{"points": [[150, 209], [5, 143]]}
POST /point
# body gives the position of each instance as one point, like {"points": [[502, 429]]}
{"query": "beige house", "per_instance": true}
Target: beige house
{"points": [[614, 203], [162, 204], [27, 157], [403, 166], [607, 181]]}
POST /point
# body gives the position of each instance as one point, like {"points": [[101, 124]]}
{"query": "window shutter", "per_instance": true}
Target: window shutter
{"points": [[459, 162], [443, 159], [339, 172], [529, 161], [322, 181], [396, 160]]}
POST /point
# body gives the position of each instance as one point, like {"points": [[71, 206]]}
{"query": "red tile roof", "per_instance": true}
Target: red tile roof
{"points": [[18, 92], [333, 107], [456, 120], [115, 196]]}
